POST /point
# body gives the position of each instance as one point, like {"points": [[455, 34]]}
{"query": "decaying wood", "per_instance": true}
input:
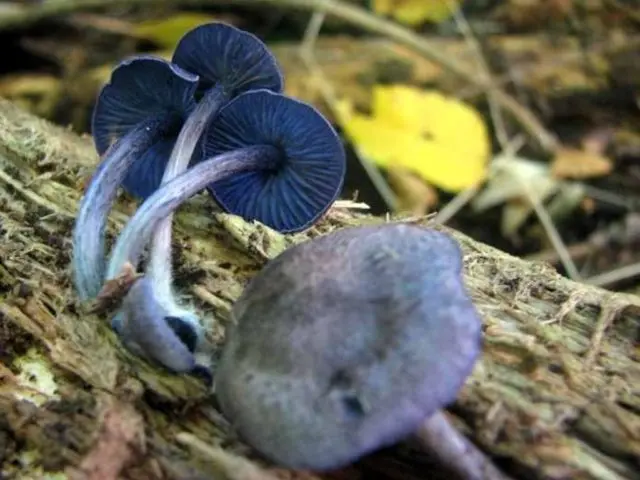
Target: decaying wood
{"points": [[556, 394]]}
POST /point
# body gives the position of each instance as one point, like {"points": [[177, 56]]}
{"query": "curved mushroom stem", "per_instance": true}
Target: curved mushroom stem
{"points": [[159, 269], [454, 451], [88, 262], [142, 305]]}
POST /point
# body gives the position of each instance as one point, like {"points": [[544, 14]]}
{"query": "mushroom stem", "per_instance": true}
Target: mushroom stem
{"points": [[159, 343], [159, 269], [142, 333], [454, 451], [171, 195], [88, 261]]}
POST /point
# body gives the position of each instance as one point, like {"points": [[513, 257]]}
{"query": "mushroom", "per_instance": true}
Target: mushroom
{"points": [[143, 113], [228, 62], [347, 343], [300, 162], [144, 108]]}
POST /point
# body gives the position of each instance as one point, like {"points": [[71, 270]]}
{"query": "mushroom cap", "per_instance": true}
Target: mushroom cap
{"points": [[345, 344], [142, 87], [222, 54], [311, 170]]}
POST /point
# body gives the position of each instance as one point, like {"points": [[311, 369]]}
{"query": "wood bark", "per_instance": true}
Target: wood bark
{"points": [[556, 394]]}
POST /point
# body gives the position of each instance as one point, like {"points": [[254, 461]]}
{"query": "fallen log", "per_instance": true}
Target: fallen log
{"points": [[556, 394]]}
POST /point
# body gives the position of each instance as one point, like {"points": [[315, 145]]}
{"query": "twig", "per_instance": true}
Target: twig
{"points": [[459, 201], [350, 205], [456, 204], [472, 42], [464, 197], [577, 251], [615, 275], [349, 13], [329, 96], [551, 231]]}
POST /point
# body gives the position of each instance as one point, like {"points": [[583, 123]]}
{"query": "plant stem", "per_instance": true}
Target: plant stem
{"points": [[145, 331]]}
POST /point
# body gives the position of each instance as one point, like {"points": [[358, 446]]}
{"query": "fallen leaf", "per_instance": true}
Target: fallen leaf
{"points": [[507, 179], [440, 138], [415, 12], [579, 164]]}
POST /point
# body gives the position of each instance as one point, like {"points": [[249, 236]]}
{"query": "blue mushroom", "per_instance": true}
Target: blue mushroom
{"points": [[300, 163], [346, 343], [147, 124], [307, 171], [136, 120], [228, 62]]}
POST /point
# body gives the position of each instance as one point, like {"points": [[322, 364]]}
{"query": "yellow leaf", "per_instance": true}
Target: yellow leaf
{"points": [[441, 139], [415, 12], [167, 32]]}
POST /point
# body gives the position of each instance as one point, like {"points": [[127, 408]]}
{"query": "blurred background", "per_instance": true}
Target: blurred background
{"points": [[514, 121]]}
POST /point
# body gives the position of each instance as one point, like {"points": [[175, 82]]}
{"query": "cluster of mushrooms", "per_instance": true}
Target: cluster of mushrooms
{"points": [[340, 345]]}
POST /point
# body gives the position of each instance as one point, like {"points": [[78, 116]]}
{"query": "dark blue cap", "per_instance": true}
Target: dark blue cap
{"points": [[140, 88], [222, 54], [310, 171]]}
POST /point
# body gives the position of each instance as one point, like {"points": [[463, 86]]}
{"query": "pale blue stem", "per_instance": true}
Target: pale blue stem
{"points": [[159, 268], [142, 321], [88, 256], [138, 231]]}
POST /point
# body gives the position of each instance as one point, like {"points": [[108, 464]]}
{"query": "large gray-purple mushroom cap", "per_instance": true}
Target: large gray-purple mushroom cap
{"points": [[346, 343]]}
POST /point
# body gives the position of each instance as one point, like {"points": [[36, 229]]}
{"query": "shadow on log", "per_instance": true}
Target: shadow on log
{"points": [[556, 394]]}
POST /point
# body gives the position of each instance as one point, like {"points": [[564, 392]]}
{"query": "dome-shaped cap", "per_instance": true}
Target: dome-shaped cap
{"points": [[345, 344], [223, 54]]}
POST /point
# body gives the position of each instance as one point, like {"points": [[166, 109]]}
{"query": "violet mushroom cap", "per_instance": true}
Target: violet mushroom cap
{"points": [[141, 88], [308, 176], [284, 135], [346, 343]]}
